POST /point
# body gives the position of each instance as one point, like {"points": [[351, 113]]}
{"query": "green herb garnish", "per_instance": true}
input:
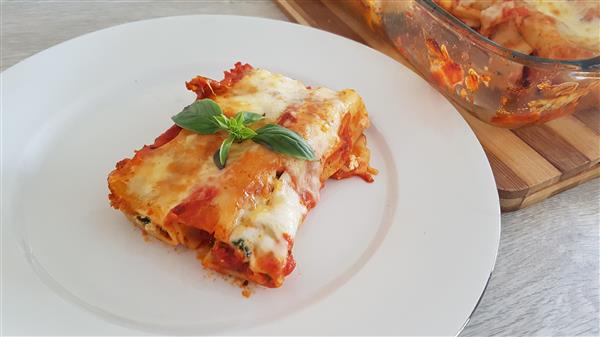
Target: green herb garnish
{"points": [[206, 117], [200, 117], [241, 245], [282, 140]]}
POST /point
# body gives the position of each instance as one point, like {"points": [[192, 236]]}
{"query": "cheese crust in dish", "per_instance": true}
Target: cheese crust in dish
{"points": [[561, 29], [243, 219], [553, 29]]}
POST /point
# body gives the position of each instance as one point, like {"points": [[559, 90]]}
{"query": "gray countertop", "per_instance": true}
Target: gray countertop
{"points": [[546, 279]]}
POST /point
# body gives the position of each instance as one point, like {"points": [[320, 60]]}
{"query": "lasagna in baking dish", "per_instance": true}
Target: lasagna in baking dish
{"points": [[242, 218], [561, 29], [553, 29]]}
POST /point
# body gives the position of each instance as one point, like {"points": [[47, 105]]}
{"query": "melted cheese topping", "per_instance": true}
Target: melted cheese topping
{"points": [[186, 161], [570, 18], [264, 93], [322, 133], [165, 178], [262, 229], [561, 29], [284, 211], [259, 91]]}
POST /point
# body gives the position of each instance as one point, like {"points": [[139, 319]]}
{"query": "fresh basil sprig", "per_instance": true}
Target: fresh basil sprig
{"points": [[206, 117], [282, 140], [200, 117]]}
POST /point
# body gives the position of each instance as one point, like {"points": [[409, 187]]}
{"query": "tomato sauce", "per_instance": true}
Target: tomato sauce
{"points": [[166, 137], [287, 116], [444, 71], [197, 210], [227, 257], [290, 263], [205, 87]]}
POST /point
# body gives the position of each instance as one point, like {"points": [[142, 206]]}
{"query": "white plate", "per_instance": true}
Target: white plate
{"points": [[408, 254]]}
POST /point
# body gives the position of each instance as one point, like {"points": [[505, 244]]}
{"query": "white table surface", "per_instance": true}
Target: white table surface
{"points": [[546, 279]]}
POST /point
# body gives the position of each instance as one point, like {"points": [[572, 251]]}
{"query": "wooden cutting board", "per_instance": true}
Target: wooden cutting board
{"points": [[529, 164]]}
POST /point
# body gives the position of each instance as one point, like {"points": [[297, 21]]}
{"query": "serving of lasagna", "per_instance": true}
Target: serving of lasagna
{"points": [[242, 218]]}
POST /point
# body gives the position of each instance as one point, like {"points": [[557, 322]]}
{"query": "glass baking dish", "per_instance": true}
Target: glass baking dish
{"points": [[500, 86]]}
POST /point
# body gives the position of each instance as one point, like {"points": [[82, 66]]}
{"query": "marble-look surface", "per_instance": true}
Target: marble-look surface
{"points": [[546, 280]]}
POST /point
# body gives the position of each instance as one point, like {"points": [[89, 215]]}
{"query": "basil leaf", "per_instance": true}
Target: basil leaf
{"points": [[247, 117], [239, 118], [224, 151], [283, 140], [217, 161], [246, 133], [238, 130], [206, 117], [198, 117], [222, 121]]}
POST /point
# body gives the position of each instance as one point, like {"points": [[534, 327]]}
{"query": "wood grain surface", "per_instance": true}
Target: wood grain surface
{"points": [[537, 157], [546, 279]]}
